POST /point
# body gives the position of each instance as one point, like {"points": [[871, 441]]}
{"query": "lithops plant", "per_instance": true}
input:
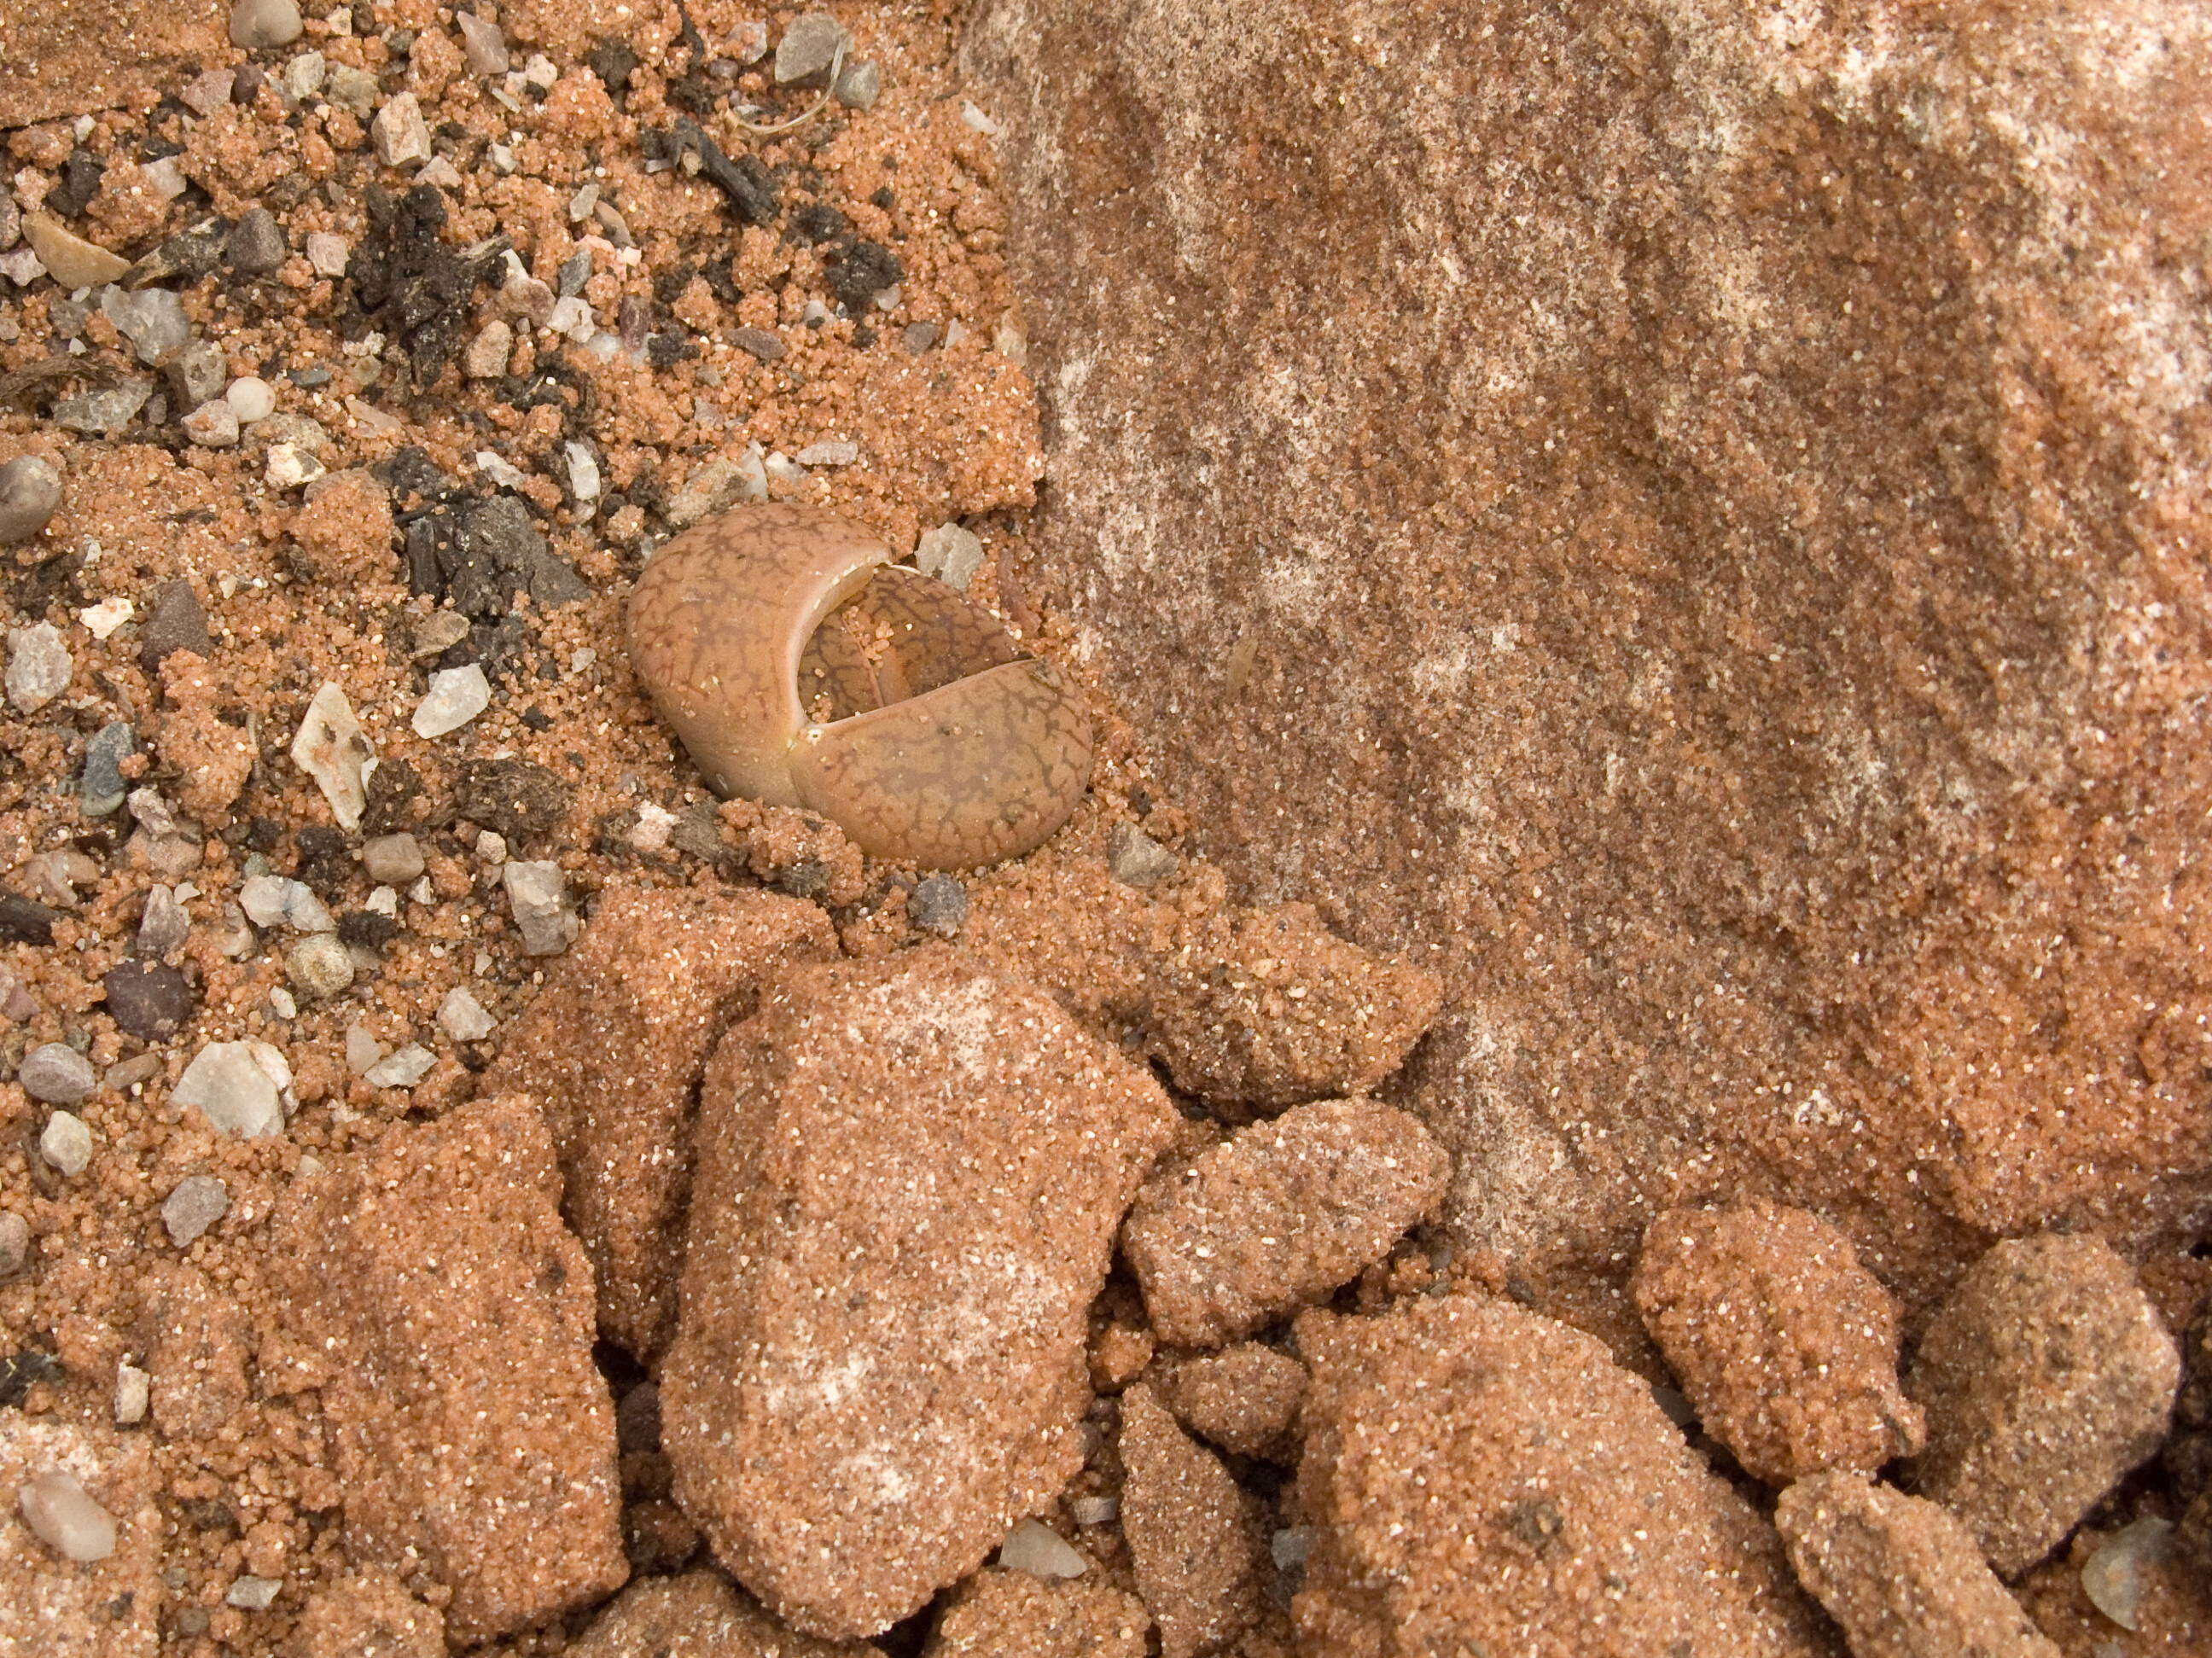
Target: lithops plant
{"points": [[801, 667]]}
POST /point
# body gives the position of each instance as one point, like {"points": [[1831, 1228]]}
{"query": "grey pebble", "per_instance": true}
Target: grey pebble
{"points": [[15, 1243], [575, 272], [194, 1204], [919, 337], [484, 44], [163, 926], [153, 319], [253, 1594], [759, 341], [66, 1144], [255, 24], [391, 860], [56, 1074], [808, 46], [12, 220], [39, 666], [538, 895], [859, 84], [255, 246], [1138, 861], [198, 372], [30, 491], [938, 904], [98, 413], [103, 786], [354, 90]]}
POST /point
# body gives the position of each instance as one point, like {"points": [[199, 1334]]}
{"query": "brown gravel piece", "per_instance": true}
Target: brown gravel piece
{"points": [[1271, 1009], [1899, 1574], [429, 1289], [2045, 1376], [369, 1616], [1279, 1216], [1785, 1344], [1483, 1479], [699, 1615], [1011, 1614], [1198, 1540], [1245, 1398], [613, 1046], [48, 1606], [909, 1172]]}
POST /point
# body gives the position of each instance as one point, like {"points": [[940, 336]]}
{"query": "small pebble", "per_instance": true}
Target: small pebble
{"points": [[538, 895], [329, 255], [102, 785], [256, 25], [319, 967], [583, 471], [918, 337], [391, 860], [134, 1391], [401, 135], [457, 695], [69, 259], [65, 1518], [303, 77], [149, 1000], [289, 466], [237, 1086], [11, 220], [253, 1594], [152, 319], [487, 355], [278, 900], [491, 847], [808, 46], [30, 493], [255, 246], [15, 1243], [194, 1204], [103, 619], [213, 425], [746, 43], [2118, 1576], [484, 44], [1036, 1549], [95, 414], [56, 1074], [196, 373], [39, 666], [353, 90], [951, 553], [859, 84], [163, 925], [362, 1050], [252, 398], [938, 904], [830, 451], [330, 748], [1138, 861], [462, 1016], [402, 1070], [66, 1143], [127, 1074], [759, 341]]}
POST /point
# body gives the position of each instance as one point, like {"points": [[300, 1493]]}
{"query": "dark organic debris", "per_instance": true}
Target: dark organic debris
{"points": [[410, 283], [477, 554], [750, 190]]}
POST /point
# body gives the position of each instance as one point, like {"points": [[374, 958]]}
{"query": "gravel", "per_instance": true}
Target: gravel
{"points": [[56, 1074], [402, 1070], [457, 695], [70, 259], [39, 666], [462, 1016], [278, 900], [538, 895], [196, 373], [65, 1518], [950, 553], [152, 319], [30, 491], [1036, 1549], [402, 135], [102, 785], [808, 46], [176, 621], [149, 1000], [213, 425], [255, 246], [319, 967], [194, 1204], [330, 748], [15, 1243], [256, 25], [938, 904], [484, 44], [66, 1143], [391, 860], [95, 414], [251, 399], [859, 84], [134, 1393], [1136, 860], [236, 1085]]}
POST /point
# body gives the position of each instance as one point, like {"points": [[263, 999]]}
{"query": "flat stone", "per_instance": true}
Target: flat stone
{"points": [[475, 1439], [213, 425], [256, 25], [908, 1175], [354, 90], [803, 54], [149, 999], [330, 748], [613, 1048], [303, 76], [70, 259], [484, 45], [402, 135], [1903, 1578], [402, 1069], [39, 666], [860, 83], [829, 452], [760, 342], [279, 901], [456, 696], [151, 319], [1137, 860], [538, 895], [239, 1087], [194, 1204], [80, 1540], [2046, 1377], [196, 373], [111, 408], [328, 254], [1482, 1478], [1279, 1216], [56, 1074], [14, 1244], [65, 1143], [30, 492]]}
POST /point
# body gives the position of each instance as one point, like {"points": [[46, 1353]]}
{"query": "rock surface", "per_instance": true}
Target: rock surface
{"points": [[57, 1606], [1483, 1478], [430, 1286], [612, 1048], [1278, 1217], [1011, 1614], [1685, 527], [909, 1177], [1784, 1342], [2046, 1377], [1196, 1539], [1900, 1575], [699, 1615]]}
